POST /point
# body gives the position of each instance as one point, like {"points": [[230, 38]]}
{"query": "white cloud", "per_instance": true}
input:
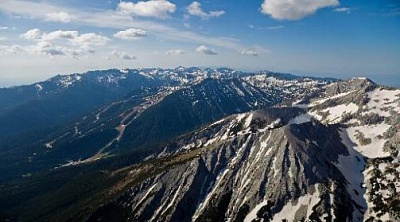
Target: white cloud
{"points": [[83, 40], [13, 49], [64, 17], [123, 55], [46, 48], [130, 34], [68, 43], [49, 49], [3, 27], [33, 34], [152, 8], [194, 9], [203, 49], [266, 27], [87, 40], [249, 52], [3, 38], [343, 9], [115, 19], [60, 34], [175, 52], [275, 27], [294, 10]]}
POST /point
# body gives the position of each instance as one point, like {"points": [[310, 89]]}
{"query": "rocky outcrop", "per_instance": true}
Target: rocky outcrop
{"points": [[357, 83]]}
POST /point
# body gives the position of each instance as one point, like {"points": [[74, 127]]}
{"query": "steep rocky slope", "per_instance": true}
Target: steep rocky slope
{"points": [[257, 165]]}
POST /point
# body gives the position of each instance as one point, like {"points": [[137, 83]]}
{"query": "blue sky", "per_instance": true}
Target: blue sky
{"points": [[338, 38]]}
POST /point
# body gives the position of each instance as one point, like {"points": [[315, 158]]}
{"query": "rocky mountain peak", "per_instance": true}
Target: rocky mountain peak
{"points": [[357, 83]]}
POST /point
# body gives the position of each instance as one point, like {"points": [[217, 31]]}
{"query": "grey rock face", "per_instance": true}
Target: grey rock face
{"points": [[247, 163], [357, 83]]}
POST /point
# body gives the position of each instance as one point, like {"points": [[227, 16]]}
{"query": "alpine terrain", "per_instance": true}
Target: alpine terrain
{"points": [[191, 144]]}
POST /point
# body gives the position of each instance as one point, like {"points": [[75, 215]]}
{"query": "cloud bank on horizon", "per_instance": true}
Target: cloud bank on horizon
{"points": [[40, 38]]}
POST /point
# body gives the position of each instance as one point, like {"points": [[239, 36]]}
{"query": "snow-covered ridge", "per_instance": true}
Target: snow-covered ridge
{"points": [[66, 81], [184, 76]]}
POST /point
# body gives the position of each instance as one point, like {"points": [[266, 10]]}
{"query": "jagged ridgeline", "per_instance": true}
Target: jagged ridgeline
{"points": [[191, 144]]}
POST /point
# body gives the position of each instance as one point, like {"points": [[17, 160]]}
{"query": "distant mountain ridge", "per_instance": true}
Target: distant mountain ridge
{"points": [[87, 91]]}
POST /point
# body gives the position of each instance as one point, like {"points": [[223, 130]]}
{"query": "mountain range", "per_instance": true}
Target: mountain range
{"points": [[190, 144]]}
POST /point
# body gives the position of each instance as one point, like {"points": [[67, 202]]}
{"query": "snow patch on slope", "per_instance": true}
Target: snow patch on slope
{"points": [[375, 148], [289, 210], [352, 167], [334, 114], [320, 101], [253, 213], [383, 101], [300, 119]]}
